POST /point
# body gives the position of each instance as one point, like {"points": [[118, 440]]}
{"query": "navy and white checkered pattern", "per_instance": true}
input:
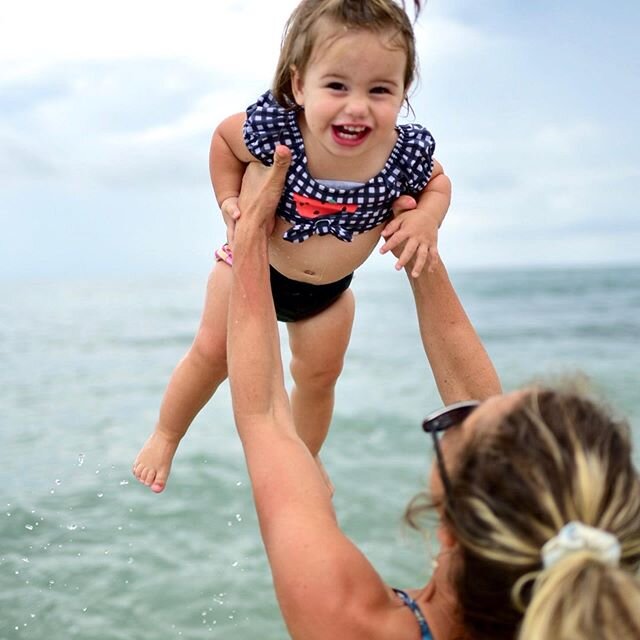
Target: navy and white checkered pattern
{"points": [[407, 171]]}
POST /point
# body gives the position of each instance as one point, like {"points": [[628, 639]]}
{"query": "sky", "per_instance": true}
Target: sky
{"points": [[107, 111]]}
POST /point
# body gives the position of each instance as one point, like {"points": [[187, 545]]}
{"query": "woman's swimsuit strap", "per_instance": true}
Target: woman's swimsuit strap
{"points": [[415, 609]]}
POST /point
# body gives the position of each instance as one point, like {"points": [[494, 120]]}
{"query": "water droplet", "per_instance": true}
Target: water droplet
{"points": [[100, 495], [8, 514], [238, 517], [28, 526], [124, 483], [72, 527], [80, 459], [25, 560], [130, 561], [52, 491], [58, 482], [84, 609], [97, 471], [229, 523], [239, 483], [234, 564]]}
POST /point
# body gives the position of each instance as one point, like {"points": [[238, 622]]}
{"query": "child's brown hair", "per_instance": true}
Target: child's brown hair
{"points": [[301, 31]]}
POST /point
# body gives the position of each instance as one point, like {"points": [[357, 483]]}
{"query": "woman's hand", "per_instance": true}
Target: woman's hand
{"points": [[262, 188]]}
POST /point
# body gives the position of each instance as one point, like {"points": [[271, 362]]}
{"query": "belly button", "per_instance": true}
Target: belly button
{"points": [[309, 272]]}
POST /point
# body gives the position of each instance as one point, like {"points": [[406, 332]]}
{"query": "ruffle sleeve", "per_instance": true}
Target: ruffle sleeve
{"points": [[414, 159], [267, 125]]}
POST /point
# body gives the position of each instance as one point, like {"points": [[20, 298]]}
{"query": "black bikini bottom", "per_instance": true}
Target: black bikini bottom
{"points": [[296, 300]]}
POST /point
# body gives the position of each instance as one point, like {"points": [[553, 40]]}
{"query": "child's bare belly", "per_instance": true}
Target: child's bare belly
{"points": [[319, 259]]}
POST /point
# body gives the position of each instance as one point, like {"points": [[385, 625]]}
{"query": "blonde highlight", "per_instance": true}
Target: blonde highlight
{"points": [[556, 457]]}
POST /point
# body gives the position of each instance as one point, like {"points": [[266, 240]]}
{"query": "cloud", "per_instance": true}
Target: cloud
{"points": [[111, 108]]}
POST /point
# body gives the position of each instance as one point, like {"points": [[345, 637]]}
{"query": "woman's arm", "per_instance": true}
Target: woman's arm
{"points": [[461, 365], [325, 587]]}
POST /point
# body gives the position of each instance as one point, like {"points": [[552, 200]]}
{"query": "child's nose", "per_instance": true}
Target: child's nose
{"points": [[357, 107]]}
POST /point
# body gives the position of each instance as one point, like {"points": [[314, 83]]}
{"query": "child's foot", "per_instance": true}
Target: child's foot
{"points": [[153, 463], [325, 475]]}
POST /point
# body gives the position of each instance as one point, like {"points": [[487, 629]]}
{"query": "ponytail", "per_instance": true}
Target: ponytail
{"points": [[580, 598]]}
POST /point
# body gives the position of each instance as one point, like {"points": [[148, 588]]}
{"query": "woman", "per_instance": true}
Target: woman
{"points": [[538, 498]]}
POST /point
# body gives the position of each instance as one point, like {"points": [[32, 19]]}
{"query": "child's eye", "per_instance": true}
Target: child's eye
{"points": [[380, 90], [336, 86]]}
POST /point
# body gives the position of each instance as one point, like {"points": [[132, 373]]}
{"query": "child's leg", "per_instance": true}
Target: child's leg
{"points": [[318, 345], [193, 382]]}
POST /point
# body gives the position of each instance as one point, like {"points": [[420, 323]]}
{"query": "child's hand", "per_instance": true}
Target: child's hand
{"points": [[419, 232], [230, 213]]}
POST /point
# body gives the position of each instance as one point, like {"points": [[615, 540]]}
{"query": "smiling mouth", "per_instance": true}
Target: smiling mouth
{"points": [[350, 134]]}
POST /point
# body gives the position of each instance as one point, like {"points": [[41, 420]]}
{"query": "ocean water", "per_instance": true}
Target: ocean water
{"points": [[86, 552]]}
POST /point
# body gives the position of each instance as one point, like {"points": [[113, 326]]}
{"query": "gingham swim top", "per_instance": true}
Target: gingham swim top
{"points": [[314, 208]]}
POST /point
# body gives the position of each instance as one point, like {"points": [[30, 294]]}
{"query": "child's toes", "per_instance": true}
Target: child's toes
{"points": [[159, 480], [159, 484]]}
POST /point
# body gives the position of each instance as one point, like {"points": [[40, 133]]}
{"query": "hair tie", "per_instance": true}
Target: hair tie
{"points": [[576, 536]]}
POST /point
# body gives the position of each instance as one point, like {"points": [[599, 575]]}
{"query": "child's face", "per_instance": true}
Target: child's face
{"points": [[352, 92]]}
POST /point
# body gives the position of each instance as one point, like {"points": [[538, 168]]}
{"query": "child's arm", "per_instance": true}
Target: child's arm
{"points": [[418, 228], [228, 159]]}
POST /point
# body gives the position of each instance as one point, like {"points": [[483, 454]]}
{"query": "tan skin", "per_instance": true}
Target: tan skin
{"points": [[325, 586]]}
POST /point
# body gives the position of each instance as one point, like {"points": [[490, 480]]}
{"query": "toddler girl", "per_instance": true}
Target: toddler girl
{"points": [[344, 72]]}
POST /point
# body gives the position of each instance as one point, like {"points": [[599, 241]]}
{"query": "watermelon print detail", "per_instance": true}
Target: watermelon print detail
{"points": [[311, 208]]}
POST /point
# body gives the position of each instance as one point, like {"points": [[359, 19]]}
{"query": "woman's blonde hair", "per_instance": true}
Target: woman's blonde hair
{"points": [[301, 31], [557, 457]]}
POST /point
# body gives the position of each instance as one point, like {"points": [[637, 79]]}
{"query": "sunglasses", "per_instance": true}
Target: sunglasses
{"points": [[440, 421]]}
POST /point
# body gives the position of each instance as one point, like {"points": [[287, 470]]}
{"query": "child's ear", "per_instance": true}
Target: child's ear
{"points": [[297, 86]]}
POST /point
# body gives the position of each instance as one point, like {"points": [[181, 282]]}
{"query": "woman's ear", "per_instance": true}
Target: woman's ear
{"points": [[446, 538], [297, 86]]}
